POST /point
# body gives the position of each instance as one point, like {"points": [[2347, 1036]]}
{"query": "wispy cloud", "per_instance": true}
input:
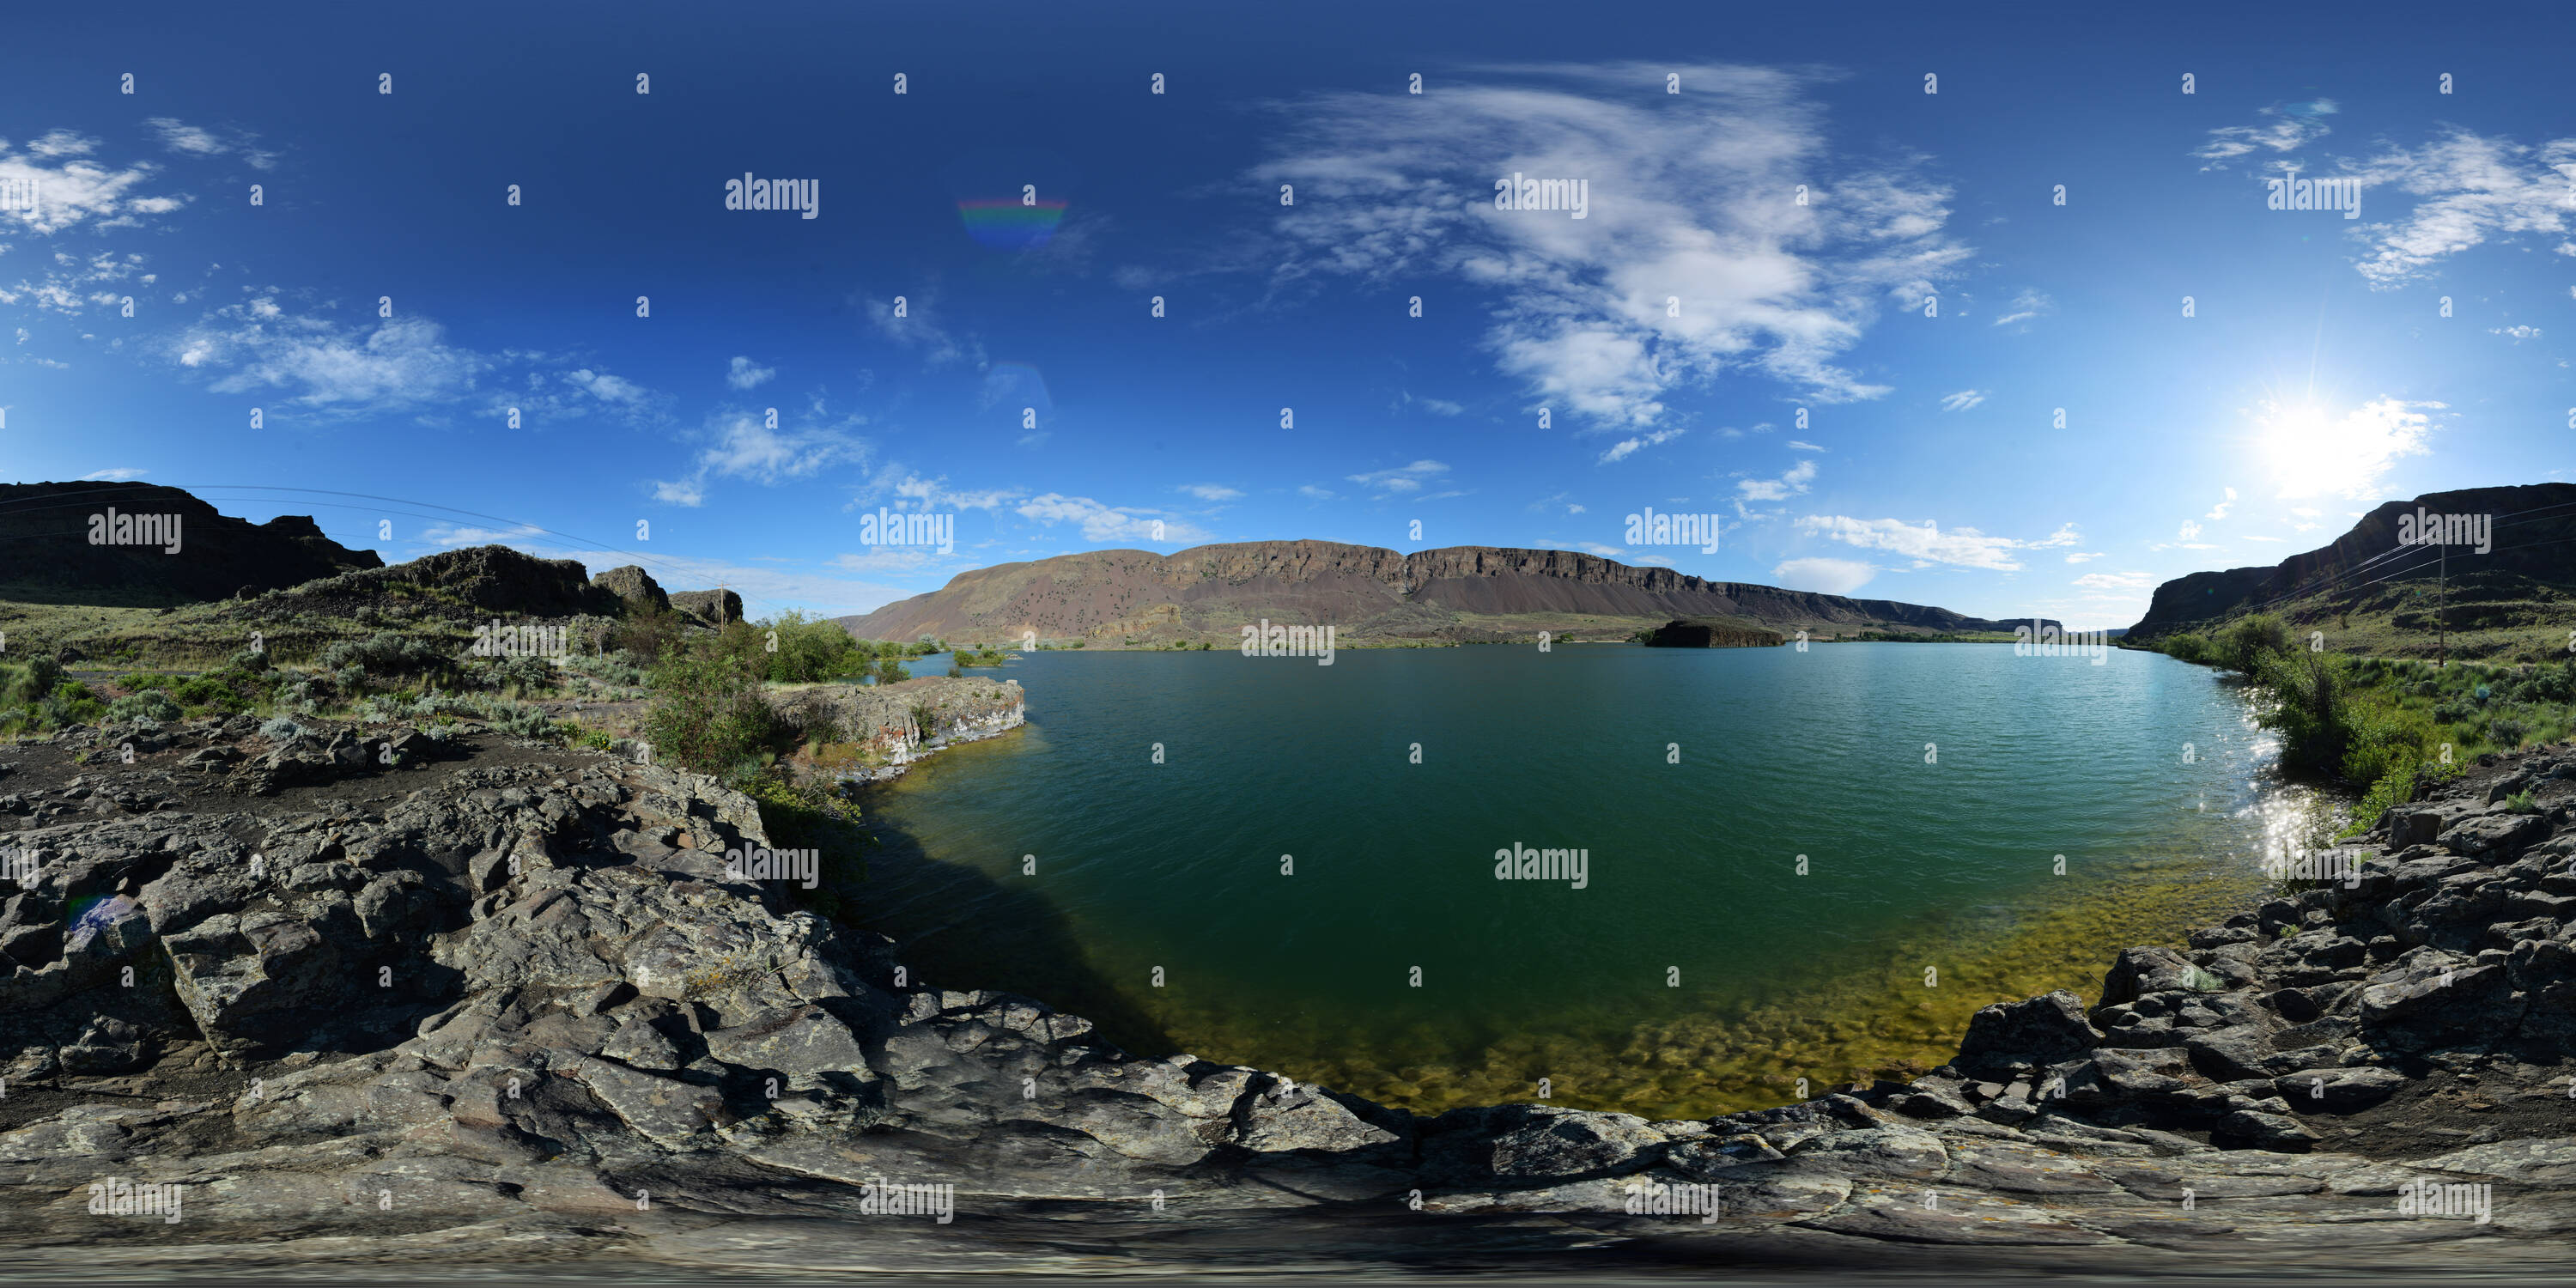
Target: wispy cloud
{"points": [[2283, 128], [199, 141], [2116, 581], [1790, 484], [1211, 491], [1797, 446], [742, 445], [1926, 543], [2473, 188], [1823, 576], [1627, 447], [1962, 400], [2221, 511], [1106, 523], [1403, 479], [746, 374], [1687, 200], [2025, 306], [117, 475]]}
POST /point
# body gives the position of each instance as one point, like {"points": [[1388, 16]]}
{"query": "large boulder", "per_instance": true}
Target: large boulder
{"points": [[2049, 1029], [634, 585], [714, 607]]}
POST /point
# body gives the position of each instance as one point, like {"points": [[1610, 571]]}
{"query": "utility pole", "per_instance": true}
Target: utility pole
{"points": [[720, 594]]}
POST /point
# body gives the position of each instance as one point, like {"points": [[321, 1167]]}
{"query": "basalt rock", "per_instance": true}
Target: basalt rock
{"points": [[507, 1003]]}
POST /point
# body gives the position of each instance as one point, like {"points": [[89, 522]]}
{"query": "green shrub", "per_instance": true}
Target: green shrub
{"points": [[2520, 803], [386, 653], [150, 704], [2242, 646], [707, 712], [890, 671], [2188, 646]]}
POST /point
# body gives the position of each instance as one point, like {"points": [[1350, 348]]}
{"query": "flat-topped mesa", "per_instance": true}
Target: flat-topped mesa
{"points": [[1459, 593]]}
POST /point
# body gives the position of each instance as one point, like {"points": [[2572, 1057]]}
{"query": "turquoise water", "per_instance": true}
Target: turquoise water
{"points": [[1695, 970]]}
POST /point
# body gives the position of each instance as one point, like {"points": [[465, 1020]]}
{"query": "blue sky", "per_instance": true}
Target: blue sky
{"points": [[1673, 335]]}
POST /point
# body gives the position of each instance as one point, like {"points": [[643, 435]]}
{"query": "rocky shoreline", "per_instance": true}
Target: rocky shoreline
{"points": [[480, 1003]]}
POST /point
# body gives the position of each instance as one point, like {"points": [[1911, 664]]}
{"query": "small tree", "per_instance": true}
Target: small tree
{"points": [[890, 671], [707, 712]]}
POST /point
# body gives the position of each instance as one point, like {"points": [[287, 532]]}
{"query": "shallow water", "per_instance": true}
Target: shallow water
{"points": [[1695, 971]]}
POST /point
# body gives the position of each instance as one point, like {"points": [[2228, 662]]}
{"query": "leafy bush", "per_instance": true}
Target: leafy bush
{"points": [[2242, 646], [890, 671], [2188, 646], [281, 729], [707, 712], [2521, 803], [645, 633]]}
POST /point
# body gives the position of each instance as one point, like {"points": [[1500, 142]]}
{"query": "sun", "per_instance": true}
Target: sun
{"points": [[2312, 450]]}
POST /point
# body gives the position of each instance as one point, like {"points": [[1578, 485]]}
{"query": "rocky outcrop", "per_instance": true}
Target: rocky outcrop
{"points": [[713, 607], [892, 726], [1366, 592], [504, 1001], [46, 528], [464, 584], [1713, 632], [634, 585]]}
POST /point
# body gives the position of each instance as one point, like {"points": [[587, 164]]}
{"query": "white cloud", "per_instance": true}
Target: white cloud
{"points": [[2283, 129], [1962, 400], [919, 329], [2025, 306], [746, 374], [1407, 478], [118, 475], [2221, 511], [71, 189], [1965, 547], [742, 446], [2190, 531], [2083, 556], [198, 141], [1313, 493], [2517, 333], [1797, 446], [1824, 576], [1682, 203], [1782, 488], [1105, 523], [2472, 188], [1211, 491], [1626, 447], [2116, 581]]}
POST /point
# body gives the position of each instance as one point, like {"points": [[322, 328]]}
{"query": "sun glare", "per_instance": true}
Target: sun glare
{"points": [[2312, 451]]}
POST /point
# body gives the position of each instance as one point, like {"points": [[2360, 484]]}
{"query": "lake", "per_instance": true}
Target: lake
{"points": [[1779, 879]]}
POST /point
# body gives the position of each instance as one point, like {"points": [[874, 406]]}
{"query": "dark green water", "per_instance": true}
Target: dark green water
{"points": [[1692, 867]]}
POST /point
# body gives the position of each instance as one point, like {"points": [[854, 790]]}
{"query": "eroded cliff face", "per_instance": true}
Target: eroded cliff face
{"points": [[893, 726], [2529, 534], [1367, 592]]}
